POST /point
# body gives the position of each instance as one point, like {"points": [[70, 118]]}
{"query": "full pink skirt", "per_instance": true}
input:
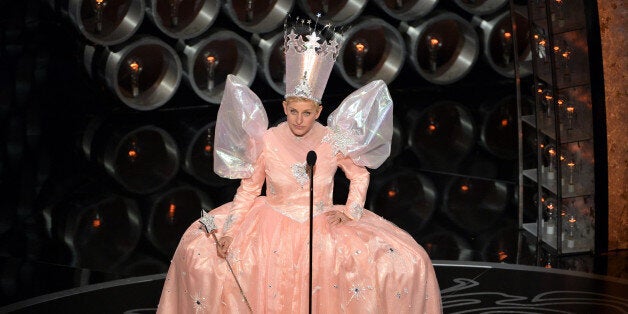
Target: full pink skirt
{"points": [[364, 266]]}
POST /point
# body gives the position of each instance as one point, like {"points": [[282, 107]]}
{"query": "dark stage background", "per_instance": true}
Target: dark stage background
{"points": [[98, 185]]}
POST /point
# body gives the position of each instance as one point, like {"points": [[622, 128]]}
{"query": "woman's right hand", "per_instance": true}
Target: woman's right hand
{"points": [[222, 246]]}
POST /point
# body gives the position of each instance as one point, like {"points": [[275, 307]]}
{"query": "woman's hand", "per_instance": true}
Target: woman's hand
{"points": [[223, 245], [335, 217]]}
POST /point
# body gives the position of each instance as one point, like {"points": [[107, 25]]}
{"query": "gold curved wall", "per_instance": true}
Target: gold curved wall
{"points": [[614, 49]]}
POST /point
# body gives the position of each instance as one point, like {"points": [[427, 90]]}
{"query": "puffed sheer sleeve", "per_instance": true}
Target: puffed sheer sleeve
{"points": [[362, 126], [240, 126]]}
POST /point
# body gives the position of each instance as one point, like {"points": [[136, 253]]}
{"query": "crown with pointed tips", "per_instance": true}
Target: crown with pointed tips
{"points": [[309, 60]]}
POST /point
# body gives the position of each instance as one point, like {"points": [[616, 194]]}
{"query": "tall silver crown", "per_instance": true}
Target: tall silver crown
{"points": [[308, 63]]}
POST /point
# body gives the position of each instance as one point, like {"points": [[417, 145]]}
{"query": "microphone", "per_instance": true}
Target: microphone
{"points": [[311, 158]]}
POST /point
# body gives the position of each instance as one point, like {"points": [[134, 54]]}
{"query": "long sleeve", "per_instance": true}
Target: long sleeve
{"points": [[359, 182], [249, 189]]}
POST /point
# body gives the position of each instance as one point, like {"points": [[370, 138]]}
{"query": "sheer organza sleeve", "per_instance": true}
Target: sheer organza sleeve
{"points": [[240, 126], [362, 126]]}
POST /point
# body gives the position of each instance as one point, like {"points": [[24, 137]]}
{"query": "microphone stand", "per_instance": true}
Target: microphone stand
{"points": [[311, 160]]}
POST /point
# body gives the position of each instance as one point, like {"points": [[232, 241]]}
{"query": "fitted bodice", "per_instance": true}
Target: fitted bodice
{"points": [[287, 181]]}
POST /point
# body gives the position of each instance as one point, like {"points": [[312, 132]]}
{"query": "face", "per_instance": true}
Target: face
{"points": [[301, 114]]}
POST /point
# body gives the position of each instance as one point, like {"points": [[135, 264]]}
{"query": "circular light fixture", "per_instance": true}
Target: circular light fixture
{"points": [[209, 59], [442, 48]]}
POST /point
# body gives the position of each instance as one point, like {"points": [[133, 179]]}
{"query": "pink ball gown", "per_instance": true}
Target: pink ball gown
{"points": [[365, 265]]}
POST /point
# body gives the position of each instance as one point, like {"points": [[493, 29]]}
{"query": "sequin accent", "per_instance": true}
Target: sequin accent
{"points": [[198, 303], [320, 207], [400, 294], [300, 173], [356, 211], [233, 256], [229, 222], [340, 140], [357, 292], [398, 258], [302, 89]]}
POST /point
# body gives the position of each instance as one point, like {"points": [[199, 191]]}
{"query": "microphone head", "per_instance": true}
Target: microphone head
{"points": [[311, 158]]}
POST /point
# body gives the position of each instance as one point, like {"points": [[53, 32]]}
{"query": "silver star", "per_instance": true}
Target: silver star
{"points": [[207, 221]]}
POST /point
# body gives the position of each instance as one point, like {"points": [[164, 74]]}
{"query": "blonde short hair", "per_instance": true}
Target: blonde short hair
{"points": [[297, 98]]}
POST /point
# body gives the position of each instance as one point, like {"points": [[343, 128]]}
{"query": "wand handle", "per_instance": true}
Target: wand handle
{"points": [[234, 277]]}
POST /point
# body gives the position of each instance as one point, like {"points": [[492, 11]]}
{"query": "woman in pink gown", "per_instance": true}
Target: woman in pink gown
{"points": [[361, 262]]}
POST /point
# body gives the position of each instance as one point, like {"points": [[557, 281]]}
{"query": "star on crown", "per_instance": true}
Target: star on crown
{"points": [[312, 41]]}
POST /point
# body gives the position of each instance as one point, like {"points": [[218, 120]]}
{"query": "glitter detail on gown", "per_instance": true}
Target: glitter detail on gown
{"points": [[367, 265]]}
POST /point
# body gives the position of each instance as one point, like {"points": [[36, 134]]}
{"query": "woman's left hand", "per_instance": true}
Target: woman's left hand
{"points": [[335, 217]]}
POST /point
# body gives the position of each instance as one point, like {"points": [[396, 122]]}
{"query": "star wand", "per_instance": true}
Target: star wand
{"points": [[210, 226]]}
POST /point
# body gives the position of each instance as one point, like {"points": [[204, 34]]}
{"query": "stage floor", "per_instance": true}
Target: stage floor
{"points": [[469, 287]]}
